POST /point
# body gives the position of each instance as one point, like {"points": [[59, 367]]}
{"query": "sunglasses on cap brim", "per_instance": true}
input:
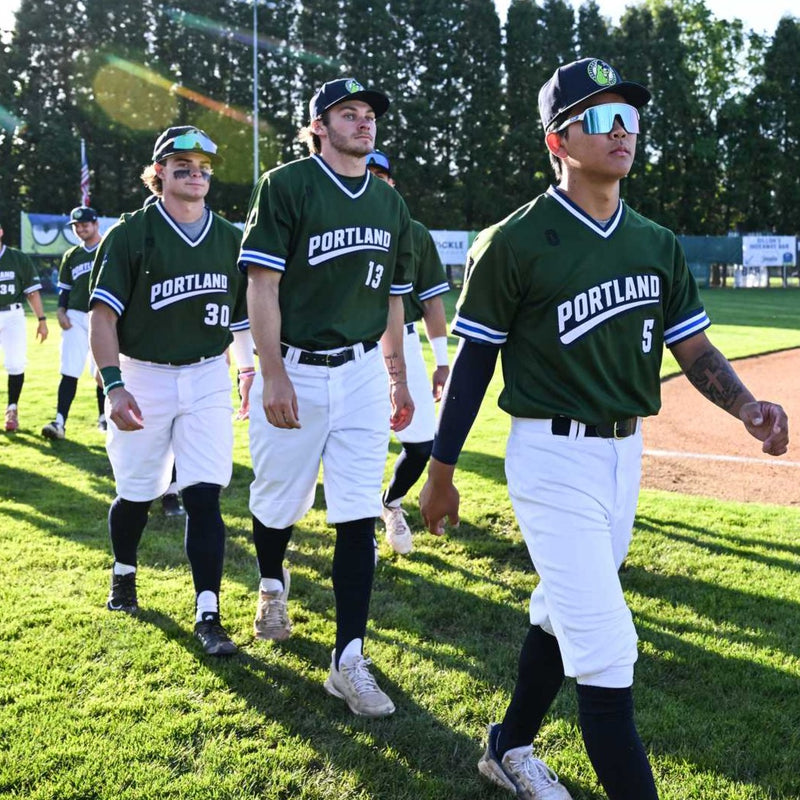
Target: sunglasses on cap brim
{"points": [[194, 141], [600, 119]]}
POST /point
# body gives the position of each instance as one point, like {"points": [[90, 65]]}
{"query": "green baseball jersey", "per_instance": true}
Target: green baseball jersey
{"points": [[177, 299], [342, 246], [580, 310], [74, 273], [429, 278], [18, 277]]}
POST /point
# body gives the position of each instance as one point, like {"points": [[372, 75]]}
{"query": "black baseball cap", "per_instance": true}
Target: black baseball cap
{"points": [[573, 83], [184, 139], [334, 92], [82, 214], [380, 160]]}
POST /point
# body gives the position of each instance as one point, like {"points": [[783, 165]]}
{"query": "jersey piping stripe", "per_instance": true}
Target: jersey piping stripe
{"points": [[434, 291], [2, 251], [34, 287], [686, 328], [601, 230], [332, 175], [242, 325], [65, 287], [174, 225], [592, 323], [401, 288], [260, 259], [474, 331], [106, 297]]}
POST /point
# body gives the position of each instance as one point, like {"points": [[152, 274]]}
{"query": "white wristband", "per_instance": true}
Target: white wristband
{"points": [[439, 346]]}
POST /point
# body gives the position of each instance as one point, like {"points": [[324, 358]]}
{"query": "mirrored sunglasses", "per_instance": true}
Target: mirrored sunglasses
{"points": [[600, 119], [194, 141]]}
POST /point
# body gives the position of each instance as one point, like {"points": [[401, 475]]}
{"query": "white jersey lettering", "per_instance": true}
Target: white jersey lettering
{"points": [[341, 241]]}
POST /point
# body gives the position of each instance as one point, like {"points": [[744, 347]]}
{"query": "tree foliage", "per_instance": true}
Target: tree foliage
{"points": [[720, 143]]}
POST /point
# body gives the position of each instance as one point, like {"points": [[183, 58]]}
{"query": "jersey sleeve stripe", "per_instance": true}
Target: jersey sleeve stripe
{"points": [[696, 323], [65, 287], [34, 287], [260, 259], [401, 288], [241, 325], [106, 297], [474, 331], [434, 291]]}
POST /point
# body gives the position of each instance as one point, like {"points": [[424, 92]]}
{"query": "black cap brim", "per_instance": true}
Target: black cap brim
{"points": [[377, 101]]}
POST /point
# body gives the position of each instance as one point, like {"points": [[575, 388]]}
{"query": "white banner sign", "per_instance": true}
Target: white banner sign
{"points": [[452, 246], [769, 251]]}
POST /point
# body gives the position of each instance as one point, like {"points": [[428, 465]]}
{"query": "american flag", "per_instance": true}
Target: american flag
{"points": [[84, 176]]}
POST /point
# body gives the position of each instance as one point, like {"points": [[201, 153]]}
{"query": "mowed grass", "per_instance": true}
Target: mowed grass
{"points": [[100, 705]]}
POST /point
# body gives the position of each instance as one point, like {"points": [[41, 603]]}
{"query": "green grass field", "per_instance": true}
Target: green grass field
{"points": [[100, 705]]}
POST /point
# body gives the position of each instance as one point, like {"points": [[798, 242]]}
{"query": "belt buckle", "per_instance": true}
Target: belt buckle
{"points": [[625, 433], [329, 360]]}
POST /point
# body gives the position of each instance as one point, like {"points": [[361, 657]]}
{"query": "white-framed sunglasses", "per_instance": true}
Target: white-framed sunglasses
{"points": [[600, 119]]}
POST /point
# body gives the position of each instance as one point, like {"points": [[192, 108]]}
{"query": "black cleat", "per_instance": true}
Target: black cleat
{"points": [[172, 506], [213, 636], [122, 596]]}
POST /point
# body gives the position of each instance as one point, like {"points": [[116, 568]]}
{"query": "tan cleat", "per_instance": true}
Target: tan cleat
{"points": [[354, 683], [272, 614], [12, 420]]}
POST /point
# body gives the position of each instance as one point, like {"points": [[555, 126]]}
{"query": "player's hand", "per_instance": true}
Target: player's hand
{"points": [[768, 423], [125, 412], [41, 331], [280, 402], [245, 381], [63, 319], [402, 406], [436, 503], [440, 376]]}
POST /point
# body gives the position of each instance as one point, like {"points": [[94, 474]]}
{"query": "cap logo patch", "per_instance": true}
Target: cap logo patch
{"points": [[601, 73], [353, 86]]}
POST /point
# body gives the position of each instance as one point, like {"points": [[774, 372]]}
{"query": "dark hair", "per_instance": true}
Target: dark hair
{"points": [[309, 138], [555, 161]]}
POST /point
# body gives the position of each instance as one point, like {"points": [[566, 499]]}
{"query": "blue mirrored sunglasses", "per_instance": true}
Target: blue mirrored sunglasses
{"points": [[194, 141], [600, 119]]}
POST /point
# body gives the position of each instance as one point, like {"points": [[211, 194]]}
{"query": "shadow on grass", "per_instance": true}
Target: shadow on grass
{"points": [[394, 758]]}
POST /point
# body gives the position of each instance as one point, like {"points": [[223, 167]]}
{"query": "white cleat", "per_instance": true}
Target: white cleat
{"points": [[354, 683], [272, 614], [398, 534]]}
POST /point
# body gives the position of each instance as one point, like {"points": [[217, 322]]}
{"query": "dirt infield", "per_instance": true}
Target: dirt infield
{"points": [[695, 448]]}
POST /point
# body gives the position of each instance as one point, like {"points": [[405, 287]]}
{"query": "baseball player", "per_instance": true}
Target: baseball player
{"points": [[73, 317], [327, 250], [580, 294], [18, 280], [425, 303], [166, 301]]}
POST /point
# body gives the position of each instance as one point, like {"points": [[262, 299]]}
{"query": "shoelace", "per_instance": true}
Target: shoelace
{"points": [[396, 520], [359, 676], [535, 771], [276, 611]]}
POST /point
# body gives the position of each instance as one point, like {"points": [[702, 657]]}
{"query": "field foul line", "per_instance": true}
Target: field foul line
{"points": [[712, 457]]}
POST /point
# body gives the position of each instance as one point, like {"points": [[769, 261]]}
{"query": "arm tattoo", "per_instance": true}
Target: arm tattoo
{"points": [[713, 377], [396, 374]]}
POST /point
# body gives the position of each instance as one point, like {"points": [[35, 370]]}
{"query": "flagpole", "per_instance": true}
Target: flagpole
{"points": [[84, 175]]}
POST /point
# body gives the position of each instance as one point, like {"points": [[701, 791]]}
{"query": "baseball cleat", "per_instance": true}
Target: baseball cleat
{"points": [[122, 596], [12, 420], [527, 777], [354, 684], [398, 534], [213, 636], [272, 613], [172, 506], [54, 430]]}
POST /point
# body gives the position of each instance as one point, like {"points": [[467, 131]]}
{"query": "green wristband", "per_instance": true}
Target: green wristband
{"points": [[112, 377]]}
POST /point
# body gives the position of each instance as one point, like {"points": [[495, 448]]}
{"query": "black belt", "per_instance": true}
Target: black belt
{"points": [[328, 359], [12, 307], [619, 429], [410, 327]]}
